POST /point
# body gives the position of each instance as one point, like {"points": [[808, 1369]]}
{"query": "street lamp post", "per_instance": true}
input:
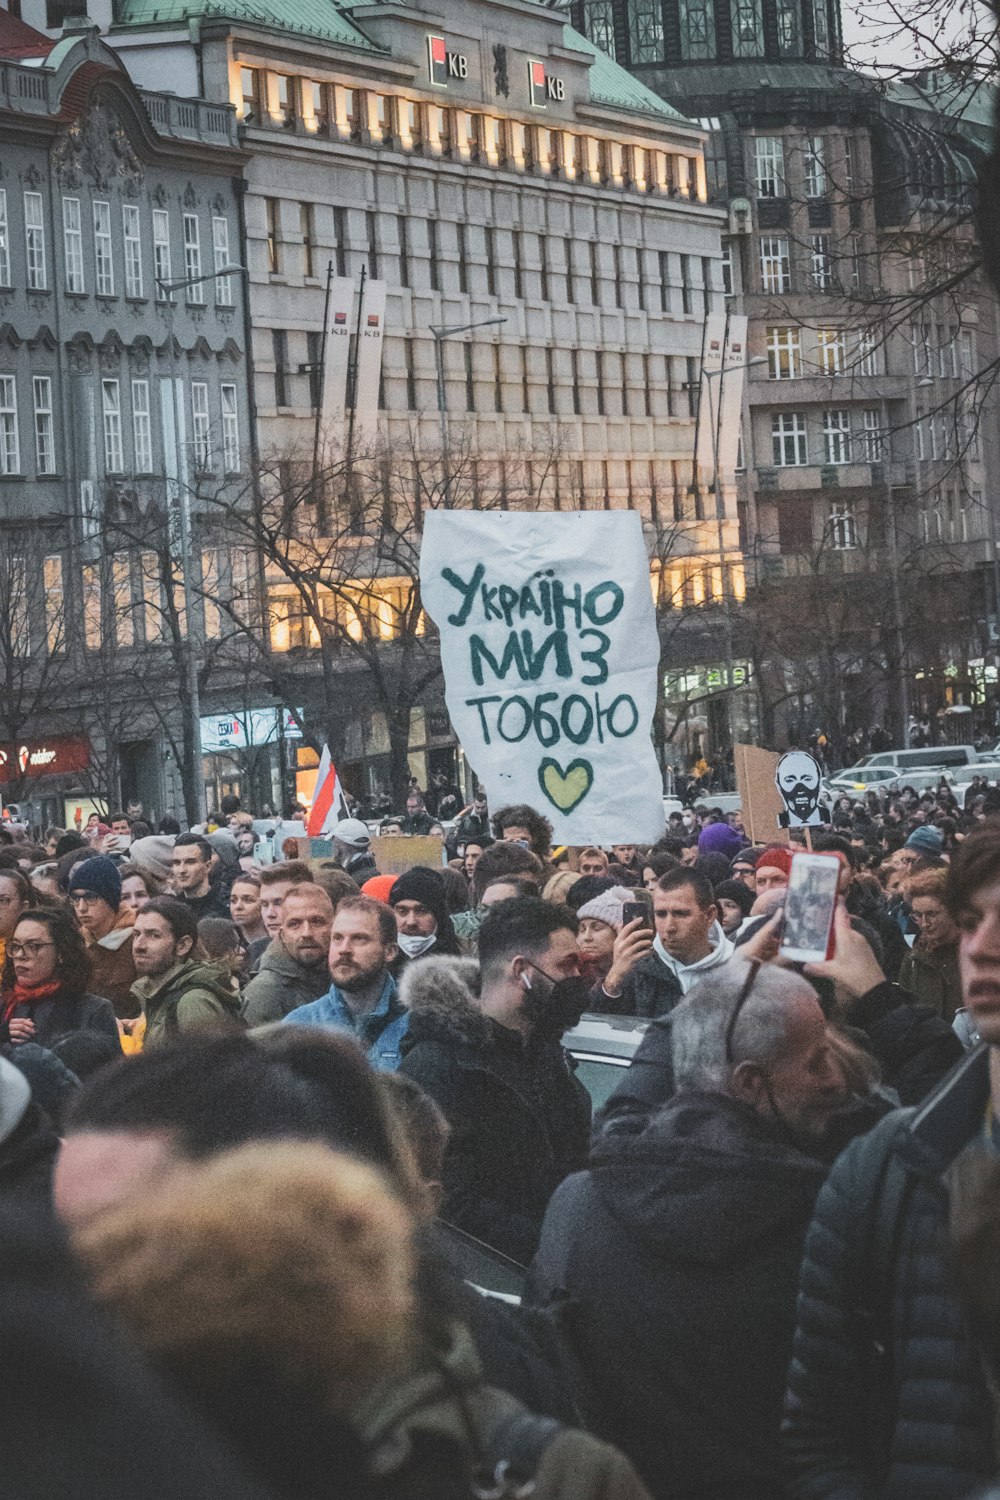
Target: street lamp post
{"points": [[439, 333], [715, 418], [179, 508]]}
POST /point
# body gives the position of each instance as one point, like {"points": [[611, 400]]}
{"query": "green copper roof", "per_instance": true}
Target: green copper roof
{"points": [[971, 101], [319, 18], [610, 83]]}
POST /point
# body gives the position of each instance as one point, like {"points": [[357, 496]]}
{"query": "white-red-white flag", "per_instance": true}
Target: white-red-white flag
{"points": [[329, 806]]}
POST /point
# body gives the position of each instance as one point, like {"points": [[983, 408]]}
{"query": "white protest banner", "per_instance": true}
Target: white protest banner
{"points": [[550, 657]]}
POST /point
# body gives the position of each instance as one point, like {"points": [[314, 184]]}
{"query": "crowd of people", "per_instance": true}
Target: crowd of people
{"points": [[251, 1113]]}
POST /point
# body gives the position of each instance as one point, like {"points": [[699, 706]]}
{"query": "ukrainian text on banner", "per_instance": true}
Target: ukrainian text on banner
{"points": [[550, 655]]}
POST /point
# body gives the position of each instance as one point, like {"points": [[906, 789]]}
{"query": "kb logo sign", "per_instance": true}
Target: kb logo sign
{"points": [[543, 87], [442, 64]]}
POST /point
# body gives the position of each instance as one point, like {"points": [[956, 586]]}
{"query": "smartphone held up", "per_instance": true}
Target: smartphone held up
{"points": [[810, 902]]}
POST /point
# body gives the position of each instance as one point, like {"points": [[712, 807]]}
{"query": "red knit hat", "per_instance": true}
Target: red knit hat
{"points": [[379, 887], [777, 857]]}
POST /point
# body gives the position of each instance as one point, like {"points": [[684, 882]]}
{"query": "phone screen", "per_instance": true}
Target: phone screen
{"points": [[810, 902], [637, 911]]}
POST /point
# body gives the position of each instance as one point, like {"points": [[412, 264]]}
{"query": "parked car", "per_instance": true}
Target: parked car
{"points": [[924, 760], [860, 779], [962, 775]]}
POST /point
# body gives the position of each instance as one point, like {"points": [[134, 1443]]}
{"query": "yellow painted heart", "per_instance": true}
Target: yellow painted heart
{"points": [[565, 789]]}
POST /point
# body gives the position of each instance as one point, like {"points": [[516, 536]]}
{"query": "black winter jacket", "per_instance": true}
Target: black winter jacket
{"points": [[519, 1118], [60, 1015], [939, 1426], [676, 1255], [651, 989]]}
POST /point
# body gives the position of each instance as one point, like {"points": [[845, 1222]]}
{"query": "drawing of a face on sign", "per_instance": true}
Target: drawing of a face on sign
{"points": [[797, 777]]}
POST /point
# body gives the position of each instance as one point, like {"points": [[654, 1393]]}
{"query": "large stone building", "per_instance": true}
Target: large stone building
{"points": [[490, 167], [871, 485], [117, 399]]}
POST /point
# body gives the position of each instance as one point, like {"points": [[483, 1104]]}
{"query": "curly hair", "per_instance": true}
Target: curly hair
{"points": [[72, 963], [520, 815]]}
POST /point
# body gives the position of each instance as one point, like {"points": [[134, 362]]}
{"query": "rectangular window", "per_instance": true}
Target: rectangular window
{"points": [[279, 352], [848, 165], [161, 251], [815, 166], [727, 268], [775, 266], [462, 242], [340, 237], [831, 350], [371, 227], [34, 241], [220, 256], [142, 432], [10, 447], [192, 260], [871, 436], [306, 231], [45, 440], [52, 580], [836, 437], [769, 166], [104, 263], [784, 354], [92, 632], [72, 245], [595, 275], [470, 379], [230, 431], [4, 240], [966, 353], [114, 462], [821, 263], [285, 93], [250, 89], [201, 431], [123, 618], [404, 251], [686, 303], [432, 251], [319, 97], [843, 526], [133, 250], [788, 439], [152, 598], [854, 262], [867, 352], [491, 261]]}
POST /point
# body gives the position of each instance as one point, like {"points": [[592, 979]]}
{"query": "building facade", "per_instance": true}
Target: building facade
{"points": [[118, 399], [870, 493]]}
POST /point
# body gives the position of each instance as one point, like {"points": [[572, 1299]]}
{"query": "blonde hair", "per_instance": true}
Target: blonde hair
{"points": [[557, 885]]}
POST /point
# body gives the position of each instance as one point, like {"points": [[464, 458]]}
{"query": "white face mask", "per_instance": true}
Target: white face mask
{"points": [[413, 944]]}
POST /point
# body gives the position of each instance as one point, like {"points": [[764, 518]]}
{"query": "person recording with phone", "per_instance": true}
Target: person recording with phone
{"points": [[616, 931]]}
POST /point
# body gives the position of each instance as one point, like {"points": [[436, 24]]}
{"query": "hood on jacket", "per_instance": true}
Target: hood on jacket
{"points": [[705, 1180], [721, 951], [276, 959], [186, 975], [441, 996]]}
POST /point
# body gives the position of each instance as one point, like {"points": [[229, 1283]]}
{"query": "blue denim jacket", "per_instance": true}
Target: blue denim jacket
{"points": [[380, 1032]]}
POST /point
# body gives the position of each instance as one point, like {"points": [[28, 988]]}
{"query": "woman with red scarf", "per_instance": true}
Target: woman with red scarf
{"points": [[43, 986]]}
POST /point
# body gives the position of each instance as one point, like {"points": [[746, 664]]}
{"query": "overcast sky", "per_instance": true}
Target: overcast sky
{"points": [[877, 40]]}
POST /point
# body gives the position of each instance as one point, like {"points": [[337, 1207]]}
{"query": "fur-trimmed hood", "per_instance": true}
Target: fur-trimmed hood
{"points": [[442, 996]]}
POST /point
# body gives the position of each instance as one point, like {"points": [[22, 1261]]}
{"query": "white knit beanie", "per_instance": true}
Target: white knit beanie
{"points": [[608, 906]]}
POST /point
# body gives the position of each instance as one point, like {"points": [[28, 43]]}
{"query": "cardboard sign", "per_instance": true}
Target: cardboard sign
{"points": [[760, 800], [395, 855], [550, 656]]}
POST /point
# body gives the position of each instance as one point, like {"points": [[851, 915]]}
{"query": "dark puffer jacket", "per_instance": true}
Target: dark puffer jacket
{"points": [[939, 1417], [675, 1258], [519, 1118]]}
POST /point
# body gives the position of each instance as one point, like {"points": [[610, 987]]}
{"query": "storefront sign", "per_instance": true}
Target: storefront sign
{"points": [[259, 726], [443, 65], [543, 86], [57, 756]]}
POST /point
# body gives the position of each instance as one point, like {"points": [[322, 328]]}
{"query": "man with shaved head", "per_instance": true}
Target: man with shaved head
{"points": [[293, 970]]}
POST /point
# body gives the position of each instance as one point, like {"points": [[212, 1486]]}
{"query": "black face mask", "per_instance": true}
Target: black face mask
{"points": [[559, 1008]]}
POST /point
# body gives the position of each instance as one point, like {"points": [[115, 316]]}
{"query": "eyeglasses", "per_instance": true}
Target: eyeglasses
{"points": [[744, 995], [83, 898], [27, 950]]}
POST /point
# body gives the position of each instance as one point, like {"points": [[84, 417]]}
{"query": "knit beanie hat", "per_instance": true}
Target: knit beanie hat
{"points": [[225, 846], [585, 888], [719, 838], [100, 877], [426, 886], [926, 840], [153, 855], [736, 891], [776, 857], [378, 887], [608, 907]]}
